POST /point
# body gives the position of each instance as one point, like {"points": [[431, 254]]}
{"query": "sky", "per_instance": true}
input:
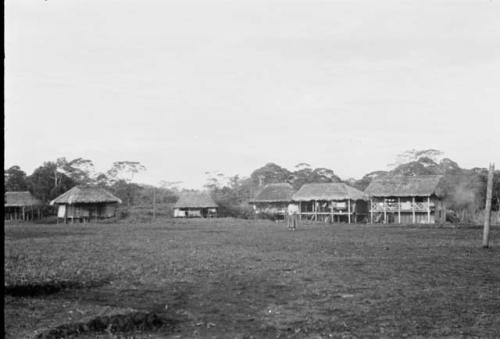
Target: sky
{"points": [[189, 87]]}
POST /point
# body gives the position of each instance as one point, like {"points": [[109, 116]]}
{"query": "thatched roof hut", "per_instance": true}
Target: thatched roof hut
{"points": [[195, 204], [328, 192], [406, 199], [404, 186], [86, 195], [21, 205], [274, 193], [86, 203], [20, 199], [330, 202]]}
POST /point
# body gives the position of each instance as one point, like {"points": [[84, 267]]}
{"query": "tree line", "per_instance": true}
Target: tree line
{"points": [[463, 190]]}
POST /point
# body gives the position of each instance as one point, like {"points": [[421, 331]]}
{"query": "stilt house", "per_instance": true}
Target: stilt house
{"points": [[195, 205], [273, 200], [21, 206], [331, 202], [86, 203], [405, 200]]}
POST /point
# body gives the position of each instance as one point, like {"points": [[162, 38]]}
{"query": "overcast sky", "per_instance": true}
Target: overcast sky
{"points": [[187, 87]]}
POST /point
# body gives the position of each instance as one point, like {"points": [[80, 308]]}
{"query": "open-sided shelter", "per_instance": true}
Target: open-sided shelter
{"points": [[405, 199], [21, 206], [333, 202], [85, 203], [273, 199], [195, 205]]}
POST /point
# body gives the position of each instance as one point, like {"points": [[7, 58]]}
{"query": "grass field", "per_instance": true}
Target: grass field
{"points": [[241, 279]]}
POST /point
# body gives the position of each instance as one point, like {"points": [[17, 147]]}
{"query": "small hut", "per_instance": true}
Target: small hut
{"points": [[85, 203], [273, 200], [405, 200], [195, 205], [21, 206], [331, 202]]}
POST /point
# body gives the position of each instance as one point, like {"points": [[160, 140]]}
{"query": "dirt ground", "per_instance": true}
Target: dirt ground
{"points": [[228, 278]]}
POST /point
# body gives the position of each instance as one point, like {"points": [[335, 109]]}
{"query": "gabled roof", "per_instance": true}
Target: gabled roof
{"points": [[328, 191], [15, 199], [85, 195], [280, 192], [195, 200], [404, 186]]}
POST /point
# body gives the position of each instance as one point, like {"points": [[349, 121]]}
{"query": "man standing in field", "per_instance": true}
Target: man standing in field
{"points": [[292, 216]]}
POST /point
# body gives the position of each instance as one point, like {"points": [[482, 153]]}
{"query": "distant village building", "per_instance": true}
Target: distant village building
{"points": [[405, 200], [195, 205], [333, 202], [273, 200], [21, 206], [86, 203]]}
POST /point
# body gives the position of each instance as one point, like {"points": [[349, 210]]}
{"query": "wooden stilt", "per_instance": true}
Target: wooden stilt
{"points": [[348, 211], [428, 209], [371, 211], [331, 212], [413, 208], [385, 211], [399, 210]]}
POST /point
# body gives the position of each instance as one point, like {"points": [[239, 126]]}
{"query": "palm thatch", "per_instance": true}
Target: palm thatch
{"points": [[85, 195], [404, 186], [280, 192], [20, 199], [328, 192], [195, 200]]}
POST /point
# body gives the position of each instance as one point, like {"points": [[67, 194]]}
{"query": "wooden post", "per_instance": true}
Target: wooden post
{"points": [[487, 211], [331, 211], [413, 208], [154, 203], [66, 214], [385, 211], [300, 210], [315, 211], [428, 209], [399, 210], [349, 211], [371, 210], [22, 215]]}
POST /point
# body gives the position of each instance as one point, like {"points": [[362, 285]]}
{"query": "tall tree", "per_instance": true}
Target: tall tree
{"points": [[15, 179], [125, 170], [46, 182]]}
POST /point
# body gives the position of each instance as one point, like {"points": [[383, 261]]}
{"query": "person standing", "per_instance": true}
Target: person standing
{"points": [[293, 216]]}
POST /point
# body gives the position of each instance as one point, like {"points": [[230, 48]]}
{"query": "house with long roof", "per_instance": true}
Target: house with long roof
{"points": [[21, 206], [86, 203], [273, 200], [195, 205], [331, 202], [406, 199]]}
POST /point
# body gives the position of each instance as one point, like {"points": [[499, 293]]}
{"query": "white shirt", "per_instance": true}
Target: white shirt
{"points": [[293, 209]]}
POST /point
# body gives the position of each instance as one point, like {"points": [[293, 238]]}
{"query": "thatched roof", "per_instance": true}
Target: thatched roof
{"points": [[281, 192], [404, 186], [195, 200], [328, 191], [85, 195], [19, 199]]}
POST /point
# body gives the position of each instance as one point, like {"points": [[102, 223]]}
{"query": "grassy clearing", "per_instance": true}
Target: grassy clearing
{"points": [[235, 278]]}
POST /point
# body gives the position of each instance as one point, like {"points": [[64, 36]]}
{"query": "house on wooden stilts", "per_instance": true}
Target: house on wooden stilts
{"points": [[273, 200], [331, 202], [21, 206], [406, 200], [85, 203], [195, 205]]}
